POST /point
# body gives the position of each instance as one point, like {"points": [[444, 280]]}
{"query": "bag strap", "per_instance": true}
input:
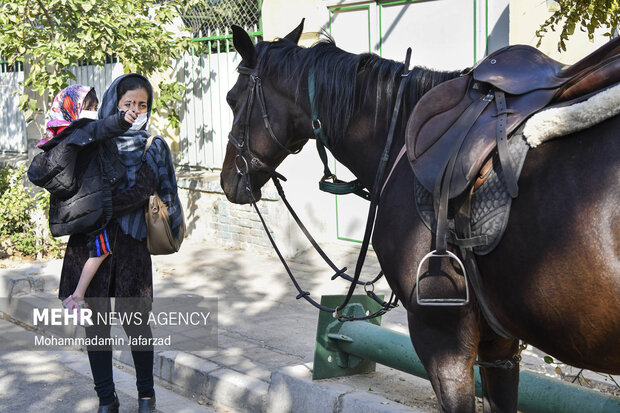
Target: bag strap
{"points": [[149, 141]]}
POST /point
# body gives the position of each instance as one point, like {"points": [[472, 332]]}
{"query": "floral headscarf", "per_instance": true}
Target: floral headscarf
{"points": [[65, 109]]}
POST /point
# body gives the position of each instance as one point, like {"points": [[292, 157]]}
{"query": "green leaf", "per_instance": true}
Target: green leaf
{"points": [[548, 359], [90, 32], [23, 99], [590, 14]]}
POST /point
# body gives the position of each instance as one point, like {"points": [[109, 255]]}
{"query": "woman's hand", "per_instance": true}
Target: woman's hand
{"points": [[130, 116]]}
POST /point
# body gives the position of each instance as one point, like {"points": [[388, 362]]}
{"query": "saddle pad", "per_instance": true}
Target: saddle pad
{"points": [[429, 146], [490, 204], [560, 121]]}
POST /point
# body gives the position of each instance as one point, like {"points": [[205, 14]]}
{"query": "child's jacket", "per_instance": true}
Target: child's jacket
{"points": [[79, 167]]}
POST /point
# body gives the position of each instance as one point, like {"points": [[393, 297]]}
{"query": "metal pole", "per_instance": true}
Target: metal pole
{"points": [[537, 393]]}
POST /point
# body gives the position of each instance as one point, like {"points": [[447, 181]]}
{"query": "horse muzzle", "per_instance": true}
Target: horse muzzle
{"points": [[237, 189]]}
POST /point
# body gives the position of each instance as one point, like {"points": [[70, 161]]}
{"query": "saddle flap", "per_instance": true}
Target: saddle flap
{"points": [[519, 69], [440, 106], [430, 135]]}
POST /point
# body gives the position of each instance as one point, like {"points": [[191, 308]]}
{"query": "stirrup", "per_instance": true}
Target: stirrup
{"points": [[441, 301]]}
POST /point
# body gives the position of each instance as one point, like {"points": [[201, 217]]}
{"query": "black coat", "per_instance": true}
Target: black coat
{"points": [[80, 167], [127, 272]]}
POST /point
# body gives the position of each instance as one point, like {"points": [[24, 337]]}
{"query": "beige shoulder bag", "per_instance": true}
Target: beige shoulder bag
{"points": [[160, 239]]}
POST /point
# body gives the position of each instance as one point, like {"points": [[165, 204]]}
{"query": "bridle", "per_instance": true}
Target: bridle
{"points": [[255, 91], [244, 152]]}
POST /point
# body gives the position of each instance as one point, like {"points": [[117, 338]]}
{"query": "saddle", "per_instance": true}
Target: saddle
{"points": [[522, 81], [457, 127]]}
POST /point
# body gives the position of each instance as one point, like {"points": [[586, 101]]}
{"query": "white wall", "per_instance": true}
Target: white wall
{"points": [[444, 34], [526, 16]]}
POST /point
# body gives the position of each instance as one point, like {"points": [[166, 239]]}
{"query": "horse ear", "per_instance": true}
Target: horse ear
{"points": [[296, 33], [244, 46]]}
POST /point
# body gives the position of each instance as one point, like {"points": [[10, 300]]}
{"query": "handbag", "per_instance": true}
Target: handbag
{"points": [[160, 239]]}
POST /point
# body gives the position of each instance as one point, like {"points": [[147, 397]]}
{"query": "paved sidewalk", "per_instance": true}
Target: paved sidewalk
{"points": [[266, 338], [60, 381]]}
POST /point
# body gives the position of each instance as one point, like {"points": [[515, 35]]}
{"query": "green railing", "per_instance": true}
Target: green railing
{"points": [[208, 73]]}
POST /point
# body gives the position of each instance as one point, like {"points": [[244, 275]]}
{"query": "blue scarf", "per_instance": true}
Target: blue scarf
{"points": [[130, 149], [159, 158]]}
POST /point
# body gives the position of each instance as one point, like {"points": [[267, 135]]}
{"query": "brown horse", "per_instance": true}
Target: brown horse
{"points": [[554, 279]]}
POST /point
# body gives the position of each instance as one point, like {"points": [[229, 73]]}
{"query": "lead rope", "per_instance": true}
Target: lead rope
{"points": [[338, 272], [391, 303], [376, 190]]}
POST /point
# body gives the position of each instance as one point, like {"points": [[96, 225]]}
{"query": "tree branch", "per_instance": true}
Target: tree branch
{"points": [[49, 18]]}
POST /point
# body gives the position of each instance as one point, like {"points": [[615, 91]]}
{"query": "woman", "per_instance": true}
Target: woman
{"points": [[127, 274]]}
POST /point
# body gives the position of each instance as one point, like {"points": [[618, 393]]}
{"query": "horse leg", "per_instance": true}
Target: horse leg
{"points": [[499, 386], [447, 346]]}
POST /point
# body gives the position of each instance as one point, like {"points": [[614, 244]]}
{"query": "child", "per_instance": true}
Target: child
{"points": [[73, 103]]}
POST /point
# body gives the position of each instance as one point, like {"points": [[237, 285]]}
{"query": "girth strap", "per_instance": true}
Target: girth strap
{"points": [[462, 224]]}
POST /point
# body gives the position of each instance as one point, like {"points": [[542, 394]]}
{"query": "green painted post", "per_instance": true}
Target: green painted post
{"points": [[329, 361], [537, 393]]}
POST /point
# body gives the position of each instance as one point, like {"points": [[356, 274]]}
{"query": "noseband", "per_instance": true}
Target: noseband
{"points": [[255, 90]]}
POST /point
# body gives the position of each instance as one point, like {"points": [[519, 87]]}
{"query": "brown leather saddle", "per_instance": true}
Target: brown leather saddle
{"points": [[529, 81], [457, 126]]}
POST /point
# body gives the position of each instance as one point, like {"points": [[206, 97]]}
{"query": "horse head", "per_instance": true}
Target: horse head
{"points": [[268, 123]]}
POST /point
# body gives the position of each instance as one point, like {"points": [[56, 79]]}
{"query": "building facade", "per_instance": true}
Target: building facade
{"points": [[443, 34]]}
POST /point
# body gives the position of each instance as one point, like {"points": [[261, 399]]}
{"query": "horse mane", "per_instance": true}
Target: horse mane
{"points": [[343, 81]]}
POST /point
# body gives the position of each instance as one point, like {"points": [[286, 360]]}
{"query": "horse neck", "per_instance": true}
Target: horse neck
{"points": [[364, 141], [360, 149]]}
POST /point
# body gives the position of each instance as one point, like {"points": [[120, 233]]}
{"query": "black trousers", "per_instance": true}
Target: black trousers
{"points": [[100, 357]]}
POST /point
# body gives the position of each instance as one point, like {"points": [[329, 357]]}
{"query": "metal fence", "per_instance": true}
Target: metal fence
{"points": [[98, 77], [12, 122], [217, 15], [208, 73]]}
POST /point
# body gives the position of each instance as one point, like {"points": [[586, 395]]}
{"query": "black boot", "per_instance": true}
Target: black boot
{"points": [[110, 408], [146, 405]]}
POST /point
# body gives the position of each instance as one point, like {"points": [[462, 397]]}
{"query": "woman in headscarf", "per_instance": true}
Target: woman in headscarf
{"points": [[127, 274]]}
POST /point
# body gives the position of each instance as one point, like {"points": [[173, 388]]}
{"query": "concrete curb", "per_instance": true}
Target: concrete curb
{"points": [[263, 371], [167, 401], [292, 390], [29, 279]]}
